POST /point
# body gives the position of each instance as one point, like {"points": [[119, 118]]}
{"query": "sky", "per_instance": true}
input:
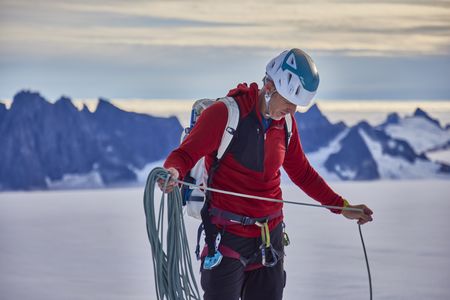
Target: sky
{"points": [[194, 49]]}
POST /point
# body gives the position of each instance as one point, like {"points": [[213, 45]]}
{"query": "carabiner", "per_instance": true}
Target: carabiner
{"points": [[274, 256]]}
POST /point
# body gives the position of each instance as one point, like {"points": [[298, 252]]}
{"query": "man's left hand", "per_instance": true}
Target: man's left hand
{"points": [[363, 216]]}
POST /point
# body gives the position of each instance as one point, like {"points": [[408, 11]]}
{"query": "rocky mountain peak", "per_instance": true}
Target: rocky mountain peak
{"points": [[29, 100], [66, 104], [393, 118], [2, 107], [421, 113]]}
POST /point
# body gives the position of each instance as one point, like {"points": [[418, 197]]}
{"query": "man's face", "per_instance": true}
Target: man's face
{"points": [[279, 107]]}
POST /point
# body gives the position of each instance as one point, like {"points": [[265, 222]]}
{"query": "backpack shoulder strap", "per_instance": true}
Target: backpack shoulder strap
{"points": [[232, 123], [288, 124]]}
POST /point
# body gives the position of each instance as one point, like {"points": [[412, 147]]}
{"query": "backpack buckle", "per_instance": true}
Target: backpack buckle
{"points": [[230, 130]]}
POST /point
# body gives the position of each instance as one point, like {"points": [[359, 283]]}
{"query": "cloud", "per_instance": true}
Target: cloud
{"points": [[190, 49], [354, 28]]}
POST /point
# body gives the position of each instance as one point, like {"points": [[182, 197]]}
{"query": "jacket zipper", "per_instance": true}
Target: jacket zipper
{"points": [[258, 156]]}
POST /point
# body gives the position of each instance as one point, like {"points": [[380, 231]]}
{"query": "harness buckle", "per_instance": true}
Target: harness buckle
{"points": [[247, 221]]}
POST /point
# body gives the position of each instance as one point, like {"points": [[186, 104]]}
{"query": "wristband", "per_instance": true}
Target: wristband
{"points": [[346, 204]]}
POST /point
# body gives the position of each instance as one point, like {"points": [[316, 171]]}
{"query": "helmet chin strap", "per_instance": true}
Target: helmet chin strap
{"points": [[267, 97]]}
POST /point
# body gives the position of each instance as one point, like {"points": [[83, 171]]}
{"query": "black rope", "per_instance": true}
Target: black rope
{"points": [[367, 260]]}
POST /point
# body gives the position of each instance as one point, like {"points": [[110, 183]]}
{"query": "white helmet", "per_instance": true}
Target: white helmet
{"points": [[295, 76]]}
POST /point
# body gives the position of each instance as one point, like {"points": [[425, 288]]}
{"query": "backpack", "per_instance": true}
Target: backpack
{"points": [[194, 198]]}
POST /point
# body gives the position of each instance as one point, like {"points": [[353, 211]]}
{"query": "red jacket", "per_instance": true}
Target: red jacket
{"points": [[204, 140]]}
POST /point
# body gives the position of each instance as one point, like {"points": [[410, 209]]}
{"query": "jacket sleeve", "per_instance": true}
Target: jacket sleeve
{"points": [[204, 139], [304, 176]]}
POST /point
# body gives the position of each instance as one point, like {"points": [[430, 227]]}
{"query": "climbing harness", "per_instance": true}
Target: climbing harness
{"points": [[224, 218], [173, 270]]}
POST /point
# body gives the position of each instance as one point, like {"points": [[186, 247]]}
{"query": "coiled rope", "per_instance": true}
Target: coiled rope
{"points": [[172, 266], [188, 288]]}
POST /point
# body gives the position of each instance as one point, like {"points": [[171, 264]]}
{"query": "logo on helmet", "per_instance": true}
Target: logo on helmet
{"points": [[290, 66]]}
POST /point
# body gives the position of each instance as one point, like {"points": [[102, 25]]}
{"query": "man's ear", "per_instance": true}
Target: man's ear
{"points": [[269, 86]]}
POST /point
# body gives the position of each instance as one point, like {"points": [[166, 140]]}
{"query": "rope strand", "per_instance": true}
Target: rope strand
{"points": [[367, 261], [204, 188]]}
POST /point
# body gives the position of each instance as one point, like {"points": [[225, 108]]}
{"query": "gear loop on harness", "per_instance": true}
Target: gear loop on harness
{"points": [[250, 260]]}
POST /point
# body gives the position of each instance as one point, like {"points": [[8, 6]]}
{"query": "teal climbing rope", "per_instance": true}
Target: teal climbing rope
{"points": [[174, 278]]}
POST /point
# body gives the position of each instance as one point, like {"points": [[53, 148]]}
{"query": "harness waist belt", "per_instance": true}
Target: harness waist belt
{"points": [[223, 217]]}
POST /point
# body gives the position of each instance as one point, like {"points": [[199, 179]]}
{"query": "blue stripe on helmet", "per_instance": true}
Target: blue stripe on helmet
{"points": [[306, 70]]}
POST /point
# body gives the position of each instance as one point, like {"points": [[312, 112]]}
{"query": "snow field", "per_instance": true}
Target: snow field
{"points": [[92, 244]]}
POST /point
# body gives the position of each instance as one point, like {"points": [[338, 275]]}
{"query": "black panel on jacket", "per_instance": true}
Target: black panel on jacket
{"points": [[248, 144]]}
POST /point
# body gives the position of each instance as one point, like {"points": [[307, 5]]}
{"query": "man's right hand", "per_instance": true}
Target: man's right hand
{"points": [[174, 174]]}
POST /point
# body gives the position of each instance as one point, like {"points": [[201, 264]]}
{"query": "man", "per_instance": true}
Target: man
{"points": [[252, 262]]}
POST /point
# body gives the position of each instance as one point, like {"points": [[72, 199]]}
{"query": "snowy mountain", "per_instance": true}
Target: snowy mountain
{"points": [[45, 145], [363, 152], [421, 131], [315, 129], [52, 145], [368, 153], [353, 161]]}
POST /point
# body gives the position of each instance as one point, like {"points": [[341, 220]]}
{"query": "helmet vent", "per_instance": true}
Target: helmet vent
{"points": [[292, 61], [297, 91], [289, 77]]}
